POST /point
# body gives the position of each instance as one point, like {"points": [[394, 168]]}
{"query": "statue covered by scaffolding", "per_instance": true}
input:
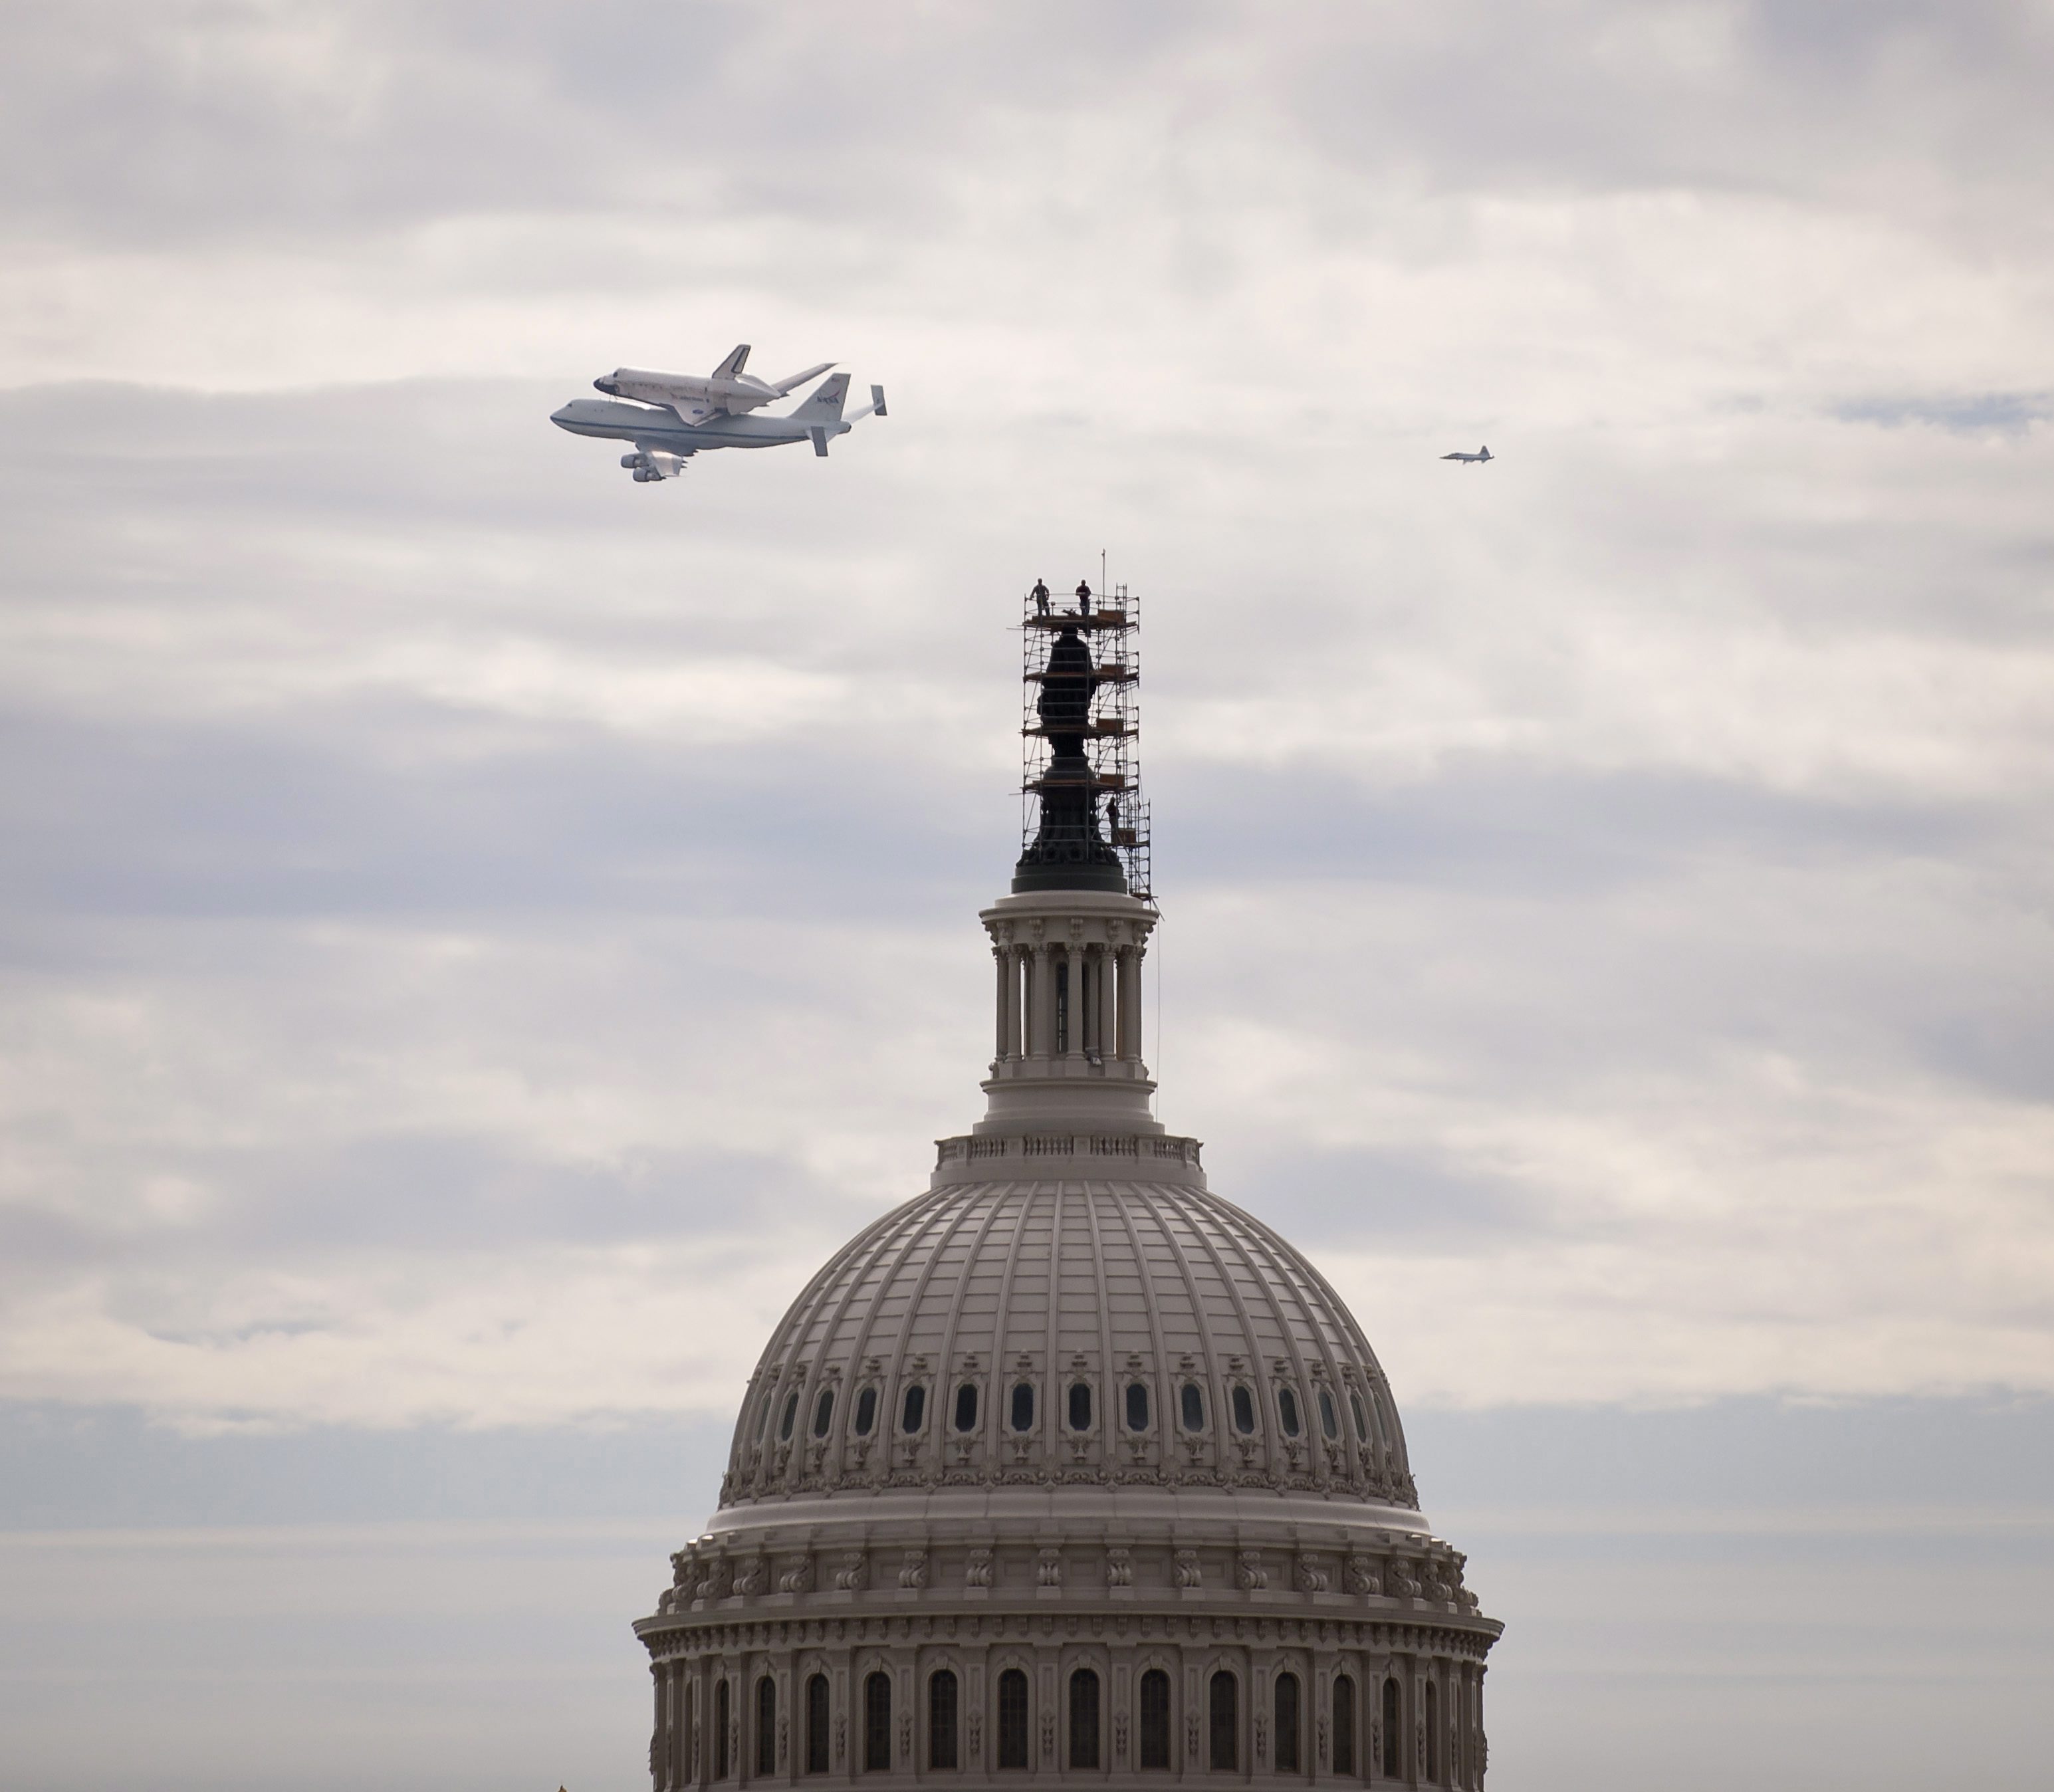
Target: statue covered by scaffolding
{"points": [[1084, 824]]}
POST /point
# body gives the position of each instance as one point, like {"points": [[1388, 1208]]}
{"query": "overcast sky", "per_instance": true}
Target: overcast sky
{"points": [[474, 932]]}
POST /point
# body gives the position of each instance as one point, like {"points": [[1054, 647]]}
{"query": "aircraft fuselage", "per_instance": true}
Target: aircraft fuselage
{"points": [[611, 420]]}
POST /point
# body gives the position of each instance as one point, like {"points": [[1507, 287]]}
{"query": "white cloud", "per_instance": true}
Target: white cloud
{"points": [[445, 869]]}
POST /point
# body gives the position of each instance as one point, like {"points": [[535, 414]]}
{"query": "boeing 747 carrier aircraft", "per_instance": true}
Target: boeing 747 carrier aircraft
{"points": [[677, 415]]}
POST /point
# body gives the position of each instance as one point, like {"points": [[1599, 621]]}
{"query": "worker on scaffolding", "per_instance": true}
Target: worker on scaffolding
{"points": [[1083, 598], [1041, 596]]}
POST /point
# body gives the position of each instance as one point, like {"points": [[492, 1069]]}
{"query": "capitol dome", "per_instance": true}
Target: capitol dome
{"points": [[1068, 1468], [1115, 1330]]}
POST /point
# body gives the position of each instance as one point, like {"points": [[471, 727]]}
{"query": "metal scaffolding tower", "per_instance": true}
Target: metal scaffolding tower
{"points": [[1083, 819]]}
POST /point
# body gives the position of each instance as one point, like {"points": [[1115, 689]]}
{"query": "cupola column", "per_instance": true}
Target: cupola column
{"points": [[1008, 976], [1107, 968], [1129, 1004], [1042, 1007]]}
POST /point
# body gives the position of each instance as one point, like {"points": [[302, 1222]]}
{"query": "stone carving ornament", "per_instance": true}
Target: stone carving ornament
{"points": [[850, 1576], [1189, 1573], [913, 1575], [1119, 1567], [976, 1572], [1251, 1574]]}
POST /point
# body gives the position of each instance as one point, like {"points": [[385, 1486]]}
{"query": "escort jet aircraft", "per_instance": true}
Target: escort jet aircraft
{"points": [[1478, 458], [676, 415]]}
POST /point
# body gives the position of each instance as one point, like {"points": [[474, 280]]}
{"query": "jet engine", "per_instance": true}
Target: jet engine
{"points": [[648, 465]]}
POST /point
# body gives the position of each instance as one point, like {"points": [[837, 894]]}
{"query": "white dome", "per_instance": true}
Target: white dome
{"points": [[1050, 1332], [1067, 1467]]}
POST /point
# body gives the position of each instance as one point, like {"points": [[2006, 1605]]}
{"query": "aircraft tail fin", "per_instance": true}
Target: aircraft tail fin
{"points": [[734, 363], [825, 406]]}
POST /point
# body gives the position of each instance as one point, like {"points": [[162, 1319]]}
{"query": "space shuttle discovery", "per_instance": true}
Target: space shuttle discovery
{"points": [[669, 417]]}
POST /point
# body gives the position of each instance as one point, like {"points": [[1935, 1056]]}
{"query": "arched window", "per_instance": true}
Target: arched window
{"points": [[1013, 1719], [1155, 1720], [913, 1414], [1361, 1417], [1286, 1702], [866, 1412], [723, 1763], [966, 1407], [790, 1417], [766, 1725], [1080, 1406], [1021, 1418], [877, 1723], [1194, 1405], [1287, 1411], [1137, 1406], [1329, 1422], [1433, 1732], [1226, 1724], [1083, 1719], [816, 1724], [823, 1411], [1243, 1412], [942, 1721], [1392, 1753], [1343, 1724]]}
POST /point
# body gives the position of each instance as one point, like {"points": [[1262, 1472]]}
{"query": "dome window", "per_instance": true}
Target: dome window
{"points": [[966, 1407], [790, 1418], [1287, 1410], [1194, 1405], [866, 1412], [1137, 1406], [1012, 1719], [1022, 1417], [1243, 1412], [1080, 1406], [1329, 1422], [823, 1411], [1361, 1418], [913, 1414]]}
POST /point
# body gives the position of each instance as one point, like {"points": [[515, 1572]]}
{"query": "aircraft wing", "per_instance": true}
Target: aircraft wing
{"points": [[694, 411]]}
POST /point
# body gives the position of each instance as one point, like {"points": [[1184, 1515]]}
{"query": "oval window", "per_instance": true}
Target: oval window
{"points": [[966, 1407], [1330, 1424], [1080, 1406], [1137, 1407], [1361, 1419], [866, 1412], [790, 1418], [1193, 1405], [823, 1411], [913, 1414], [1022, 1416], [1287, 1410], [1243, 1412]]}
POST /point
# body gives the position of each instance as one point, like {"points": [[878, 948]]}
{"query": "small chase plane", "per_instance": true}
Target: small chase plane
{"points": [[670, 417], [1477, 458]]}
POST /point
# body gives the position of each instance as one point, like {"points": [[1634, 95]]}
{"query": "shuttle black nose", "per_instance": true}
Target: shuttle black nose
{"points": [[609, 386]]}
